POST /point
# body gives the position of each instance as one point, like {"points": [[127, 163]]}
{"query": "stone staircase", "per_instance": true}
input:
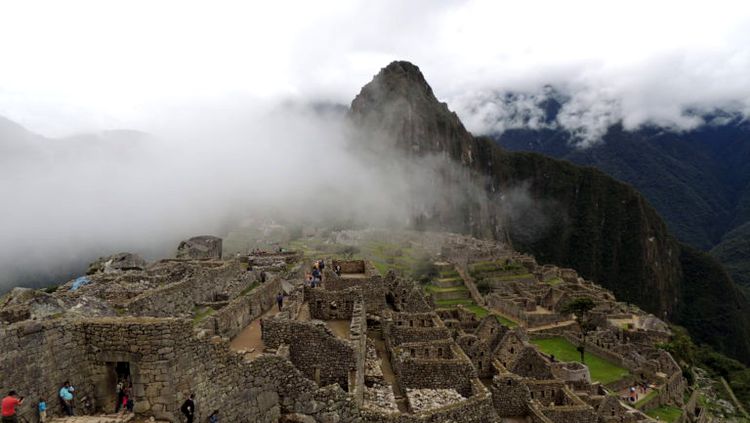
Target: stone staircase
{"points": [[449, 285]]}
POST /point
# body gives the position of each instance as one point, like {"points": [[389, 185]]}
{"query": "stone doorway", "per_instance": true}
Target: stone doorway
{"points": [[111, 369], [105, 385]]}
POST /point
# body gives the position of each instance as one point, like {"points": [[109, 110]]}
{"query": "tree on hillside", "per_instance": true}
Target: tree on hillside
{"points": [[581, 308]]}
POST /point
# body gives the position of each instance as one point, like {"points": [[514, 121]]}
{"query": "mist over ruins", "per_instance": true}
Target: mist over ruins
{"points": [[270, 213]]}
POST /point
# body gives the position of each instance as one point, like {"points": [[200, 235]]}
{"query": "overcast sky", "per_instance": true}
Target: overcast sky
{"points": [[84, 65], [218, 83]]}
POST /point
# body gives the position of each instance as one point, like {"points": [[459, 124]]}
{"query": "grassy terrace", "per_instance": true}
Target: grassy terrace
{"points": [[601, 370], [665, 413], [201, 313], [478, 310], [384, 256], [433, 288]]}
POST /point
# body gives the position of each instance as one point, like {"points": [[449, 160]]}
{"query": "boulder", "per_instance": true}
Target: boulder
{"points": [[117, 262], [200, 247]]}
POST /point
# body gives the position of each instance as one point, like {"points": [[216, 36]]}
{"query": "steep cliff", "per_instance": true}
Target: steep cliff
{"points": [[578, 217]]}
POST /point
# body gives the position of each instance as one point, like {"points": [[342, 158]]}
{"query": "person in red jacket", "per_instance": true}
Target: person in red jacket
{"points": [[9, 405]]}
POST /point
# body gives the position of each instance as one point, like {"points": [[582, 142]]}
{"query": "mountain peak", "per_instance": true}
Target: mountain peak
{"points": [[399, 107]]}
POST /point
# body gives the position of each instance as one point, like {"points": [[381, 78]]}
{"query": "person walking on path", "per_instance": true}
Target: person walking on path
{"points": [[280, 300], [188, 408], [66, 398], [9, 405]]}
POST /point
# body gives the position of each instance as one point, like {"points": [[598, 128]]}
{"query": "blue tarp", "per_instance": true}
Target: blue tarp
{"points": [[79, 282]]}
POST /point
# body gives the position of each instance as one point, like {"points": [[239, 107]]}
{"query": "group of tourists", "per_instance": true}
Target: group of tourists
{"points": [[634, 390], [125, 402], [315, 277], [11, 401]]}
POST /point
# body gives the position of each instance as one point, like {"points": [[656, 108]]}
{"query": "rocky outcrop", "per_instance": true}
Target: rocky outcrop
{"points": [[562, 214], [200, 247], [117, 262]]}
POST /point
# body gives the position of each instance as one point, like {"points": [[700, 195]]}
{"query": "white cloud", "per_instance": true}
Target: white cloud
{"points": [[86, 63]]}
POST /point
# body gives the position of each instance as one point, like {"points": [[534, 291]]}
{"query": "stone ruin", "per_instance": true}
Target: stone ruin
{"points": [[200, 247], [362, 347]]}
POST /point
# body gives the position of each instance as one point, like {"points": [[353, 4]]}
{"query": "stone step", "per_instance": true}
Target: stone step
{"points": [[448, 282]]}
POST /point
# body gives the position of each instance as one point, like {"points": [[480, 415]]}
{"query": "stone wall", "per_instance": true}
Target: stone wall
{"points": [[332, 305], [373, 289], [242, 310], [37, 357], [475, 409], [179, 298], [510, 395], [315, 350], [349, 266], [455, 372], [167, 363]]}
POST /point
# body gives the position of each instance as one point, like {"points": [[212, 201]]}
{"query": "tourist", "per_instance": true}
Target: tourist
{"points": [[337, 270], [321, 265], [130, 403], [66, 398], [316, 275], [214, 417], [9, 405], [119, 390], [188, 408], [280, 300], [124, 400], [42, 407]]}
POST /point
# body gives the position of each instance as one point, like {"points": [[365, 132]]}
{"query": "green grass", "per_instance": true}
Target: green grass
{"points": [[449, 274], [433, 288], [646, 398], [554, 281], [202, 313], [478, 310], [666, 413], [505, 321], [451, 303], [601, 370], [450, 279], [512, 277], [493, 266]]}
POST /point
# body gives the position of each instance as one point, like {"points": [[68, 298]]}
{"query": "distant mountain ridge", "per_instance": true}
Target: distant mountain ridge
{"points": [[698, 180], [601, 227]]}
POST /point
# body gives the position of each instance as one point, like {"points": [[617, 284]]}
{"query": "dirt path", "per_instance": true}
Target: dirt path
{"points": [[340, 327], [304, 312], [250, 337], [388, 375]]}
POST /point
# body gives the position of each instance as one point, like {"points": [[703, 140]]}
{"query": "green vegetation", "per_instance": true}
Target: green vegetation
{"points": [[554, 281], [201, 313], [646, 398], [250, 287], [665, 413], [51, 289], [477, 268], [581, 307], [601, 370], [505, 321], [433, 288], [451, 303], [689, 355]]}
